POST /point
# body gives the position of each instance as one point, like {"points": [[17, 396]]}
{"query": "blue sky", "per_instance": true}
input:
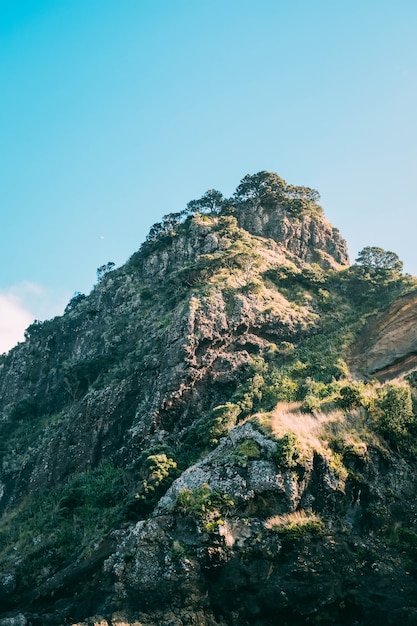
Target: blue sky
{"points": [[114, 113]]}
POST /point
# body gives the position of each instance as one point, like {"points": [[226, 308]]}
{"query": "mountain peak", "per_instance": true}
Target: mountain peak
{"points": [[266, 206]]}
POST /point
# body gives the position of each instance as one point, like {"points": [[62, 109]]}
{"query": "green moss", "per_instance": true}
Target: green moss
{"points": [[178, 550], [249, 448]]}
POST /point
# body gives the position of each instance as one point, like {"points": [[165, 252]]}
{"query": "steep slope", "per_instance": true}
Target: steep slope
{"points": [[137, 355], [185, 445]]}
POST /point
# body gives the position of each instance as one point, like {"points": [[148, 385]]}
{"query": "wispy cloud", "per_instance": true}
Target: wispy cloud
{"points": [[20, 305], [14, 318]]}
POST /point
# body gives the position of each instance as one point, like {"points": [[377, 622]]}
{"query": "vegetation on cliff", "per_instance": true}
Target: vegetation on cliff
{"points": [[204, 418]]}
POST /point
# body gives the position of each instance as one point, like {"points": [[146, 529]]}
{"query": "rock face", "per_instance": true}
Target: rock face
{"points": [[312, 238], [173, 449], [388, 344], [244, 565]]}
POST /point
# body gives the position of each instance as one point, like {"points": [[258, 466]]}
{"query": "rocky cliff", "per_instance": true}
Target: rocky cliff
{"points": [[187, 445], [388, 345]]}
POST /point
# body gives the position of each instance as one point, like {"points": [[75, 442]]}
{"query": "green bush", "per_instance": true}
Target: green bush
{"points": [[157, 471], [311, 403], [395, 419], [81, 376], [350, 396], [279, 387], [203, 501], [26, 410], [253, 286], [222, 420], [76, 299], [205, 433], [249, 395], [287, 451]]}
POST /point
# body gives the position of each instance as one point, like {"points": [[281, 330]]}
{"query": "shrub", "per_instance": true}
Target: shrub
{"points": [[395, 419], [350, 396], [279, 387], [195, 501], [34, 329], [407, 541], [296, 532], [80, 376], [286, 348], [75, 301], [249, 395], [146, 294], [252, 286], [317, 388], [46, 529], [311, 403], [104, 269], [25, 410], [287, 451], [206, 432], [223, 418], [158, 471], [158, 468], [203, 501]]}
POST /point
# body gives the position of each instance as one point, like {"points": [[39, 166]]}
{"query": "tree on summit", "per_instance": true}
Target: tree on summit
{"points": [[211, 202], [260, 187], [269, 189]]}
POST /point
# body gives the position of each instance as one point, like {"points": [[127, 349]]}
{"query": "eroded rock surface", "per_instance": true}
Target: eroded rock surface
{"points": [[388, 344]]}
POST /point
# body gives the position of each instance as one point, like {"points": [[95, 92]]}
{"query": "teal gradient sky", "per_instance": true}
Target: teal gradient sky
{"points": [[114, 113]]}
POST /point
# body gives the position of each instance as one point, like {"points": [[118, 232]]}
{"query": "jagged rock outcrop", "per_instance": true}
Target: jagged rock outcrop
{"points": [[241, 564], [311, 238]]}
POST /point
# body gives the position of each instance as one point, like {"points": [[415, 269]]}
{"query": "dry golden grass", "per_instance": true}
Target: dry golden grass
{"points": [[331, 434], [310, 428], [316, 430], [296, 518]]}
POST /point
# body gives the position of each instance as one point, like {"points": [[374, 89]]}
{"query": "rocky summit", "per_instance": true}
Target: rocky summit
{"points": [[222, 433]]}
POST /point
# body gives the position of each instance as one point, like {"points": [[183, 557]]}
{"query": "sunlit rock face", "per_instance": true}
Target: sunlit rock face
{"points": [[388, 345], [311, 238]]}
